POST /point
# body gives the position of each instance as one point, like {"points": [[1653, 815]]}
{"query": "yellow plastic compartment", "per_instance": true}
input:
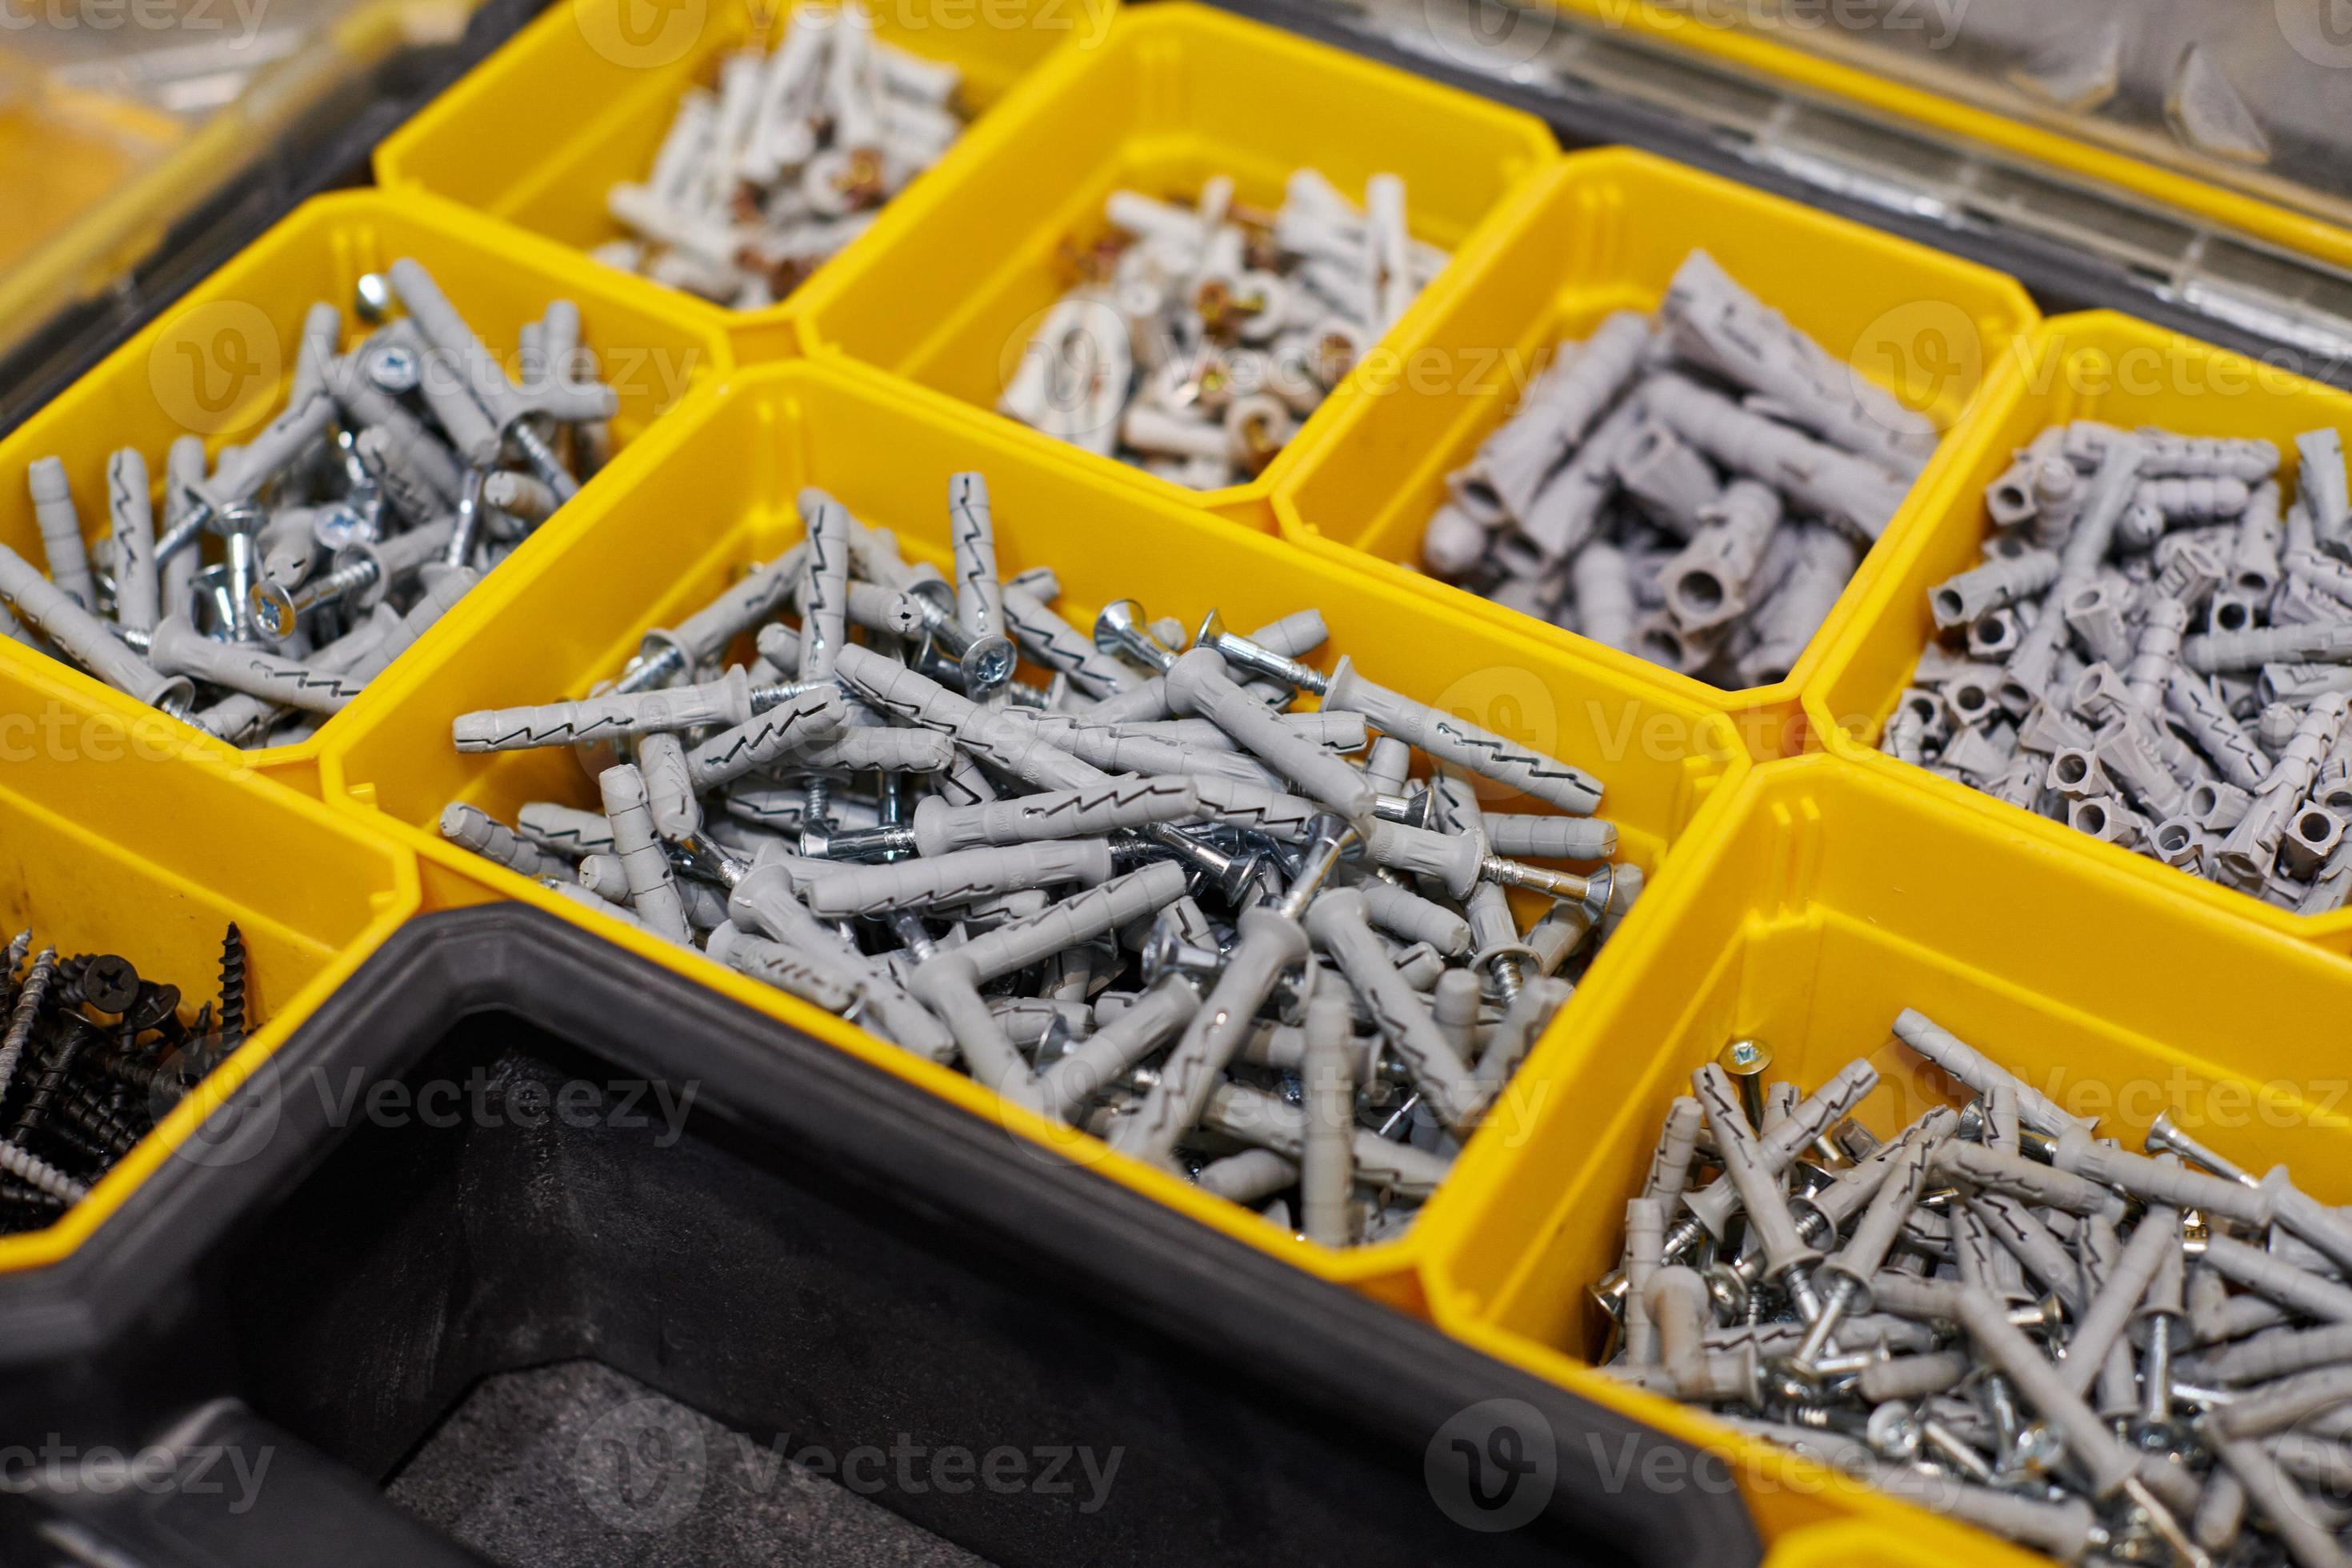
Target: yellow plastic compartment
{"points": [[2098, 365], [216, 364], [122, 832], [953, 281], [581, 99], [718, 491], [1605, 231], [1831, 899]]}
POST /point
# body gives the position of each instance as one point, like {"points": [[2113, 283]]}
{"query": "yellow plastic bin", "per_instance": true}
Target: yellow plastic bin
{"points": [[1605, 231], [1833, 897], [121, 832], [951, 284], [718, 493], [581, 100], [2098, 365], [216, 364]]}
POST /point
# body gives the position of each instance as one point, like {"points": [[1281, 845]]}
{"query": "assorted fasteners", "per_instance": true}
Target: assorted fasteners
{"points": [[1696, 489], [1261, 962], [398, 473], [1998, 1315], [1202, 335], [758, 181], [92, 1057], [2158, 653]]}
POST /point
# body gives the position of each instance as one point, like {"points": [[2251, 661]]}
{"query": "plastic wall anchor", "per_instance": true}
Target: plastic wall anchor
{"points": [[429, 607], [1605, 603], [653, 892], [178, 648], [564, 830], [130, 517], [1506, 1045], [2312, 836], [1259, 1118], [963, 876], [669, 787], [725, 701], [1825, 562], [1106, 1054], [85, 639], [876, 747], [1849, 492], [1269, 944], [1761, 1197], [2086, 549], [1960, 600], [1708, 582], [470, 827], [1248, 1178], [671, 655], [1524, 837], [1672, 484], [2321, 488], [1712, 1206], [988, 662], [2318, 642], [1561, 408], [938, 828], [791, 729], [1413, 919], [989, 735], [2191, 699], [834, 987], [1198, 682], [1463, 744], [2128, 755], [1054, 643], [1327, 1165], [1561, 520], [1722, 326], [1980, 1072]]}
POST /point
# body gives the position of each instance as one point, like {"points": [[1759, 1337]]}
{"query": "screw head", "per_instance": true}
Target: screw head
{"points": [[393, 369], [155, 1006], [273, 610], [1119, 626], [1892, 1433], [988, 664], [110, 985], [338, 527], [1745, 1059], [372, 299]]}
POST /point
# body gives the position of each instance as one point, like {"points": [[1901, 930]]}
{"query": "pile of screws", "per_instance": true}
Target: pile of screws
{"points": [[1199, 336], [397, 474], [2159, 655], [1998, 1314], [1697, 490], [92, 1057], [1265, 964], [790, 160]]}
